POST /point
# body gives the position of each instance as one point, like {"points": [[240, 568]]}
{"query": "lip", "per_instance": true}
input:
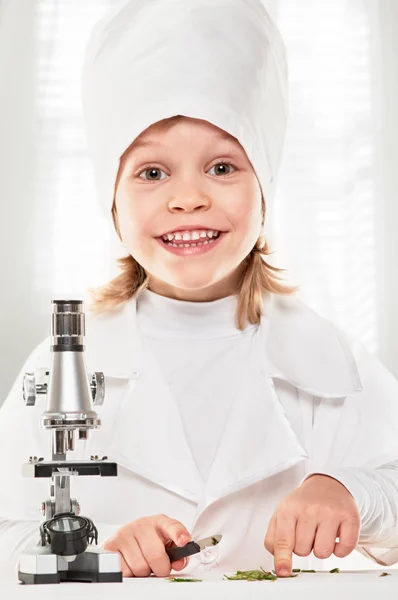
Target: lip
{"points": [[192, 250], [191, 228]]}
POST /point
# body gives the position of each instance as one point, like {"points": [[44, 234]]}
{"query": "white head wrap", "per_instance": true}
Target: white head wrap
{"points": [[218, 60]]}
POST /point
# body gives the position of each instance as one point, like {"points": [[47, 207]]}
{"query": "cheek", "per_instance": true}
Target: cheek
{"points": [[245, 212], [134, 223], [128, 228]]}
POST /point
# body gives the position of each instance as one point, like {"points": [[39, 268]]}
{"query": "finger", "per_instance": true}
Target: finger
{"points": [[153, 549], [113, 546], [132, 555], [270, 536], [285, 540], [306, 527], [172, 529], [179, 565], [348, 537], [125, 569], [325, 538]]}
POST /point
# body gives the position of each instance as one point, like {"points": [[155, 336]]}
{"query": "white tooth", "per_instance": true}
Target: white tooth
{"points": [[210, 233], [170, 236], [187, 245], [186, 236], [165, 238], [206, 242], [202, 234], [195, 235], [178, 236]]}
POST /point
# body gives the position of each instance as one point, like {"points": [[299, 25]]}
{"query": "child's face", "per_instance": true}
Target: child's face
{"points": [[180, 179]]}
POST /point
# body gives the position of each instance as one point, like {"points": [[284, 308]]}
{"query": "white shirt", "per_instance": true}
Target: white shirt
{"points": [[200, 352]]}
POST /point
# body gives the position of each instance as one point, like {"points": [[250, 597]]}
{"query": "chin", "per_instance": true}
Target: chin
{"points": [[192, 282]]}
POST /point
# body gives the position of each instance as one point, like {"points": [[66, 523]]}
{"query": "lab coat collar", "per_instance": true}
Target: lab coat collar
{"points": [[300, 347], [307, 350]]}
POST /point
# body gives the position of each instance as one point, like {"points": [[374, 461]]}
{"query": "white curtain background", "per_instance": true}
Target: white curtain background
{"points": [[337, 211], [336, 218]]}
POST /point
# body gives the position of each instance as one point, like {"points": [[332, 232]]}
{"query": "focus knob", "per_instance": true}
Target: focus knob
{"points": [[29, 389], [98, 388]]}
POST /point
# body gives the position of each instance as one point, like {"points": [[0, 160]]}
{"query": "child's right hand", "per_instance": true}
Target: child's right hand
{"points": [[142, 546]]}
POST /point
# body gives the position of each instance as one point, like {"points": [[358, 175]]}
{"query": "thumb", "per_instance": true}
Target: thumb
{"points": [[174, 530]]}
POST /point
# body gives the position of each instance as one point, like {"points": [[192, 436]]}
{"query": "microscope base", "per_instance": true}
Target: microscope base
{"points": [[38, 566]]}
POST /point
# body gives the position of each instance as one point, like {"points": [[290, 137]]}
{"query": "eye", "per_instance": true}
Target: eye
{"points": [[223, 168], [153, 173]]}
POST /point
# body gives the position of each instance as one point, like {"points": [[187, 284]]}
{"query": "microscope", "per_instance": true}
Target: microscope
{"points": [[65, 550]]}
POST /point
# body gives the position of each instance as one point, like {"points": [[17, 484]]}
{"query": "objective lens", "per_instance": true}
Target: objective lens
{"points": [[68, 534]]}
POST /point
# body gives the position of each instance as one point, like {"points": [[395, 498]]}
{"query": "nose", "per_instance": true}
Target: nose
{"points": [[189, 203]]}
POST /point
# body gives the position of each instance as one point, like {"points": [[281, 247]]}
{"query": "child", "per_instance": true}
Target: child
{"points": [[231, 407]]}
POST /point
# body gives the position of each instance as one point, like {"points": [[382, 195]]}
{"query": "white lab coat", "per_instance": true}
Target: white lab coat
{"points": [[324, 402]]}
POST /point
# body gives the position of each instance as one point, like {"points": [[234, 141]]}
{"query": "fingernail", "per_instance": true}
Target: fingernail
{"points": [[183, 539], [283, 572]]}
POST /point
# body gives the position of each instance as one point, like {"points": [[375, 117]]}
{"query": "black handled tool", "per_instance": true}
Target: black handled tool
{"points": [[176, 552]]}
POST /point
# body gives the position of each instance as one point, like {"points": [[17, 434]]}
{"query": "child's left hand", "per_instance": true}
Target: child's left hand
{"points": [[310, 518]]}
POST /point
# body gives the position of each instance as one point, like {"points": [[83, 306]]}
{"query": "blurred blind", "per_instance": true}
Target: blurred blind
{"points": [[325, 214], [73, 253]]}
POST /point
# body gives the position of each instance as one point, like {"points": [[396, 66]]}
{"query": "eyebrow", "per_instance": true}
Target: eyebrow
{"points": [[145, 144]]}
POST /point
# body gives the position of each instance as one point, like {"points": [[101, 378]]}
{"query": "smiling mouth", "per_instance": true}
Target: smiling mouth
{"points": [[192, 247], [190, 238], [187, 243]]}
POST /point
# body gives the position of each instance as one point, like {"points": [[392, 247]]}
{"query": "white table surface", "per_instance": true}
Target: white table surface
{"points": [[346, 585]]}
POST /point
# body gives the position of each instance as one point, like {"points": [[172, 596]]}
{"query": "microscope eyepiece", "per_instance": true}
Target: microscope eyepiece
{"points": [[67, 305], [67, 325]]}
